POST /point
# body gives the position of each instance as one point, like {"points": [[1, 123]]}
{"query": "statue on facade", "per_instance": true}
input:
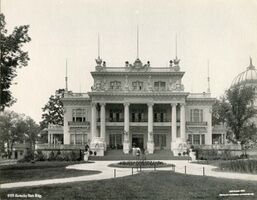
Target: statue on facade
{"points": [[172, 85], [98, 64], [97, 85], [138, 65], [104, 85], [149, 84], [126, 85], [176, 64]]}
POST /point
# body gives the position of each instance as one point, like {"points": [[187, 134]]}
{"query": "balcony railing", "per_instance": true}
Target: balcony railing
{"points": [[196, 123], [71, 123]]}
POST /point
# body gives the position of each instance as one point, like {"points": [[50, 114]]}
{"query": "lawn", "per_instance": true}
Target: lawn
{"points": [[159, 185], [39, 171]]}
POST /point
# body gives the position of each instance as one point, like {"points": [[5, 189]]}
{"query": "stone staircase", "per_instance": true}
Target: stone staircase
{"points": [[157, 155]]}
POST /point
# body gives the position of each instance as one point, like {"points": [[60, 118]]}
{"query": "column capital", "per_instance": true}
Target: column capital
{"points": [[182, 104], [150, 104], [173, 104], [102, 103], [93, 103], [126, 103]]}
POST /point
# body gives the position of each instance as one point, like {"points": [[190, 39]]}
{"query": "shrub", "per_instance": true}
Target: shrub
{"points": [[29, 156], [243, 166], [74, 156], [214, 154], [39, 156], [51, 156]]}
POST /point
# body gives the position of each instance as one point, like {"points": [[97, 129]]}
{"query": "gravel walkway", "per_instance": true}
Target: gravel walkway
{"points": [[108, 172]]}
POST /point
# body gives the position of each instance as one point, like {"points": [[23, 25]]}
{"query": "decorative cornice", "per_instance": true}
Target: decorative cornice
{"points": [[138, 73], [139, 93]]}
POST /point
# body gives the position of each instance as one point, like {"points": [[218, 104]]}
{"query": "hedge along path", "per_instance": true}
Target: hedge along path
{"points": [[108, 172]]}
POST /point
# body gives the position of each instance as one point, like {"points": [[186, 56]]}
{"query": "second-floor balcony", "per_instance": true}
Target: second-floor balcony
{"points": [[202, 123], [72, 123]]}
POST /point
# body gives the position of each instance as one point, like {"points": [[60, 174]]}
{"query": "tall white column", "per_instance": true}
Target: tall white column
{"points": [[182, 122], [102, 118], [173, 125], [150, 143], [126, 129], [93, 120]]}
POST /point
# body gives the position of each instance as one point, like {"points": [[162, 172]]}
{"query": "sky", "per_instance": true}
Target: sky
{"points": [[221, 31]]}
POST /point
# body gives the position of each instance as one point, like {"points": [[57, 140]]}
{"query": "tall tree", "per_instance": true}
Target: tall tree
{"points": [[219, 111], [17, 128], [12, 130], [241, 113], [11, 57], [53, 110], [236, 110], [31, 132]]}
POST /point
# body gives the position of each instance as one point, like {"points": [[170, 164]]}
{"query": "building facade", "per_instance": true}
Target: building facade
{"points": [[137, 105]]}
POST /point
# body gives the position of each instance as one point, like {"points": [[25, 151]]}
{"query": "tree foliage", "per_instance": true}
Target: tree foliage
{"points": [[53, 110], [219, 111], [16, 128], [236, 110], [241, 113], [11, 57]]}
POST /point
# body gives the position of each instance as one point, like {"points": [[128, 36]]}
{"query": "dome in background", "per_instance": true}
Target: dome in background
{"points": [[248, 77]]}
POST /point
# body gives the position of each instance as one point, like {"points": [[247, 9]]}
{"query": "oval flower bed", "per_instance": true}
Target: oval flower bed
{"points": [[142, 164]]}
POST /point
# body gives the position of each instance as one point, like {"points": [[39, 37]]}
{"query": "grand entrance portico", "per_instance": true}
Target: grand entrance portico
{"points": [[138, 123]]}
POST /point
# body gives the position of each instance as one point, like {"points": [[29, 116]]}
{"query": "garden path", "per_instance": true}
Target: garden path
{"points": [[108, 172]]}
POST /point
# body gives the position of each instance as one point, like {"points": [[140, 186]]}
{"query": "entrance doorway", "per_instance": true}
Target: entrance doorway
{"points": [[138, 140]]}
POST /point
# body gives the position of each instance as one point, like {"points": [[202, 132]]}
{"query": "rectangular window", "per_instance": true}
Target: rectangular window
{"points": [[78, 138], [115, 85], [163, 85], [79, 115], [137, 85], [196, 115], [196, 139], [156, 140], [115, 141], [160, 140], [163, 140]]}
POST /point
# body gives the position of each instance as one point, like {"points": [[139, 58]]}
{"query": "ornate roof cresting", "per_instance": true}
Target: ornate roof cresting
{"points": [[137, 65]]}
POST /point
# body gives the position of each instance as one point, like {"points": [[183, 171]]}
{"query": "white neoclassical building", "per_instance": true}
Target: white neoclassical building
{"points": [[137, 105]]}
